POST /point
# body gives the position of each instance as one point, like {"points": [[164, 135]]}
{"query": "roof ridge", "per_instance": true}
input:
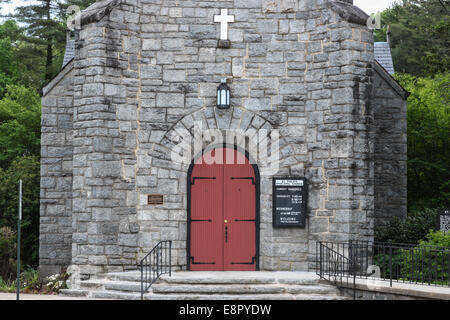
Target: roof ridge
{"points": [[96, 11]]}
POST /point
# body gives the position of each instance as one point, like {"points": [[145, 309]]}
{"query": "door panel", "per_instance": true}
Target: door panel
{"points": [[223, 214], [240, 212], [206, 217]]}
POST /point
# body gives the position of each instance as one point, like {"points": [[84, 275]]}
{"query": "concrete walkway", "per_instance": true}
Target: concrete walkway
{"points": [[25, 296], [404, 289]]}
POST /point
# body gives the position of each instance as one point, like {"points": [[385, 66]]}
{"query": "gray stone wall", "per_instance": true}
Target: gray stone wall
{"points": [[150, 67], [55, 233], [301, 70], [106, 87], [373, 295], [390, 151]]}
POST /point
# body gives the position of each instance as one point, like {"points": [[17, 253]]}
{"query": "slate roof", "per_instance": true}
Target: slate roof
{"points": [[70, 52], [383, 55]]}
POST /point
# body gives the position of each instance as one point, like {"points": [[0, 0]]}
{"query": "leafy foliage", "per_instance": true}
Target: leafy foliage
{"points": [[7, 253], [45, 32], [27, 169], [57, 282], [12, 68], [419, 36], [19, 124], [428, 141], [429, 261], [411, 230], [29, 280], [31, 283]]}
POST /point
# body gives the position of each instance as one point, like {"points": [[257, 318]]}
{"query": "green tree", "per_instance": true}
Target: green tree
{"points": [[19, 124], [27, 169], [12, 69], [419, 37], [428, 140], [43, 30]]}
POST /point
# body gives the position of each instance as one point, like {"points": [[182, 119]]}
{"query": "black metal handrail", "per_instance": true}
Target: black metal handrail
{"points": [[334, 266], [389, 262], [403, 263], [156, 263]]}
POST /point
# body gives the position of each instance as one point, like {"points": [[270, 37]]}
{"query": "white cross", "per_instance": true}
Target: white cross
{"points": [[224, 19]]}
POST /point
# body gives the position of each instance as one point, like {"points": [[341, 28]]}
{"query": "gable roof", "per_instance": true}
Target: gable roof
{"points": [[382, 52], [60, 76], [393, 83]]}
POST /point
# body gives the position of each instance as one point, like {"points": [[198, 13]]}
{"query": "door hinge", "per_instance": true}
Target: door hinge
{"points": [[244, 178], [252, 262], [193, 262], [202, 178]]}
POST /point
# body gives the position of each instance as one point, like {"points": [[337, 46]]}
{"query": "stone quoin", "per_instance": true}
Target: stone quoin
{"points": [[143, 70]]}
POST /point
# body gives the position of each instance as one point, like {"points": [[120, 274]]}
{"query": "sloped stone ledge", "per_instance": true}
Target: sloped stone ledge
{"points": [[398, 291]]}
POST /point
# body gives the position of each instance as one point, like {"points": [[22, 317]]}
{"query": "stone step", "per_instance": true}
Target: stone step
{"points": [[241, 297], [310, 289], [105, 284], [215, 280], [115, 295], [123, 286], [243, 289], [74, 292], [133, 276], [230, 277], [192, 277], [217, 289], [209, 285], [91, 284]]}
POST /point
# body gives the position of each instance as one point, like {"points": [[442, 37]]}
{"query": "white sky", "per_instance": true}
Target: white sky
{"points": [[369, 6], [9, 7], [373, 6]]}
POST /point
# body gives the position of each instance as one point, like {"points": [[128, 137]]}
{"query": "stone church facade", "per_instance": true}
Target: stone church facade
{"points": [[144, 69]]}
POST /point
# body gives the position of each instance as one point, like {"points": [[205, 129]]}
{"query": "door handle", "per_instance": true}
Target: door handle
{"points": [[226, 233]]}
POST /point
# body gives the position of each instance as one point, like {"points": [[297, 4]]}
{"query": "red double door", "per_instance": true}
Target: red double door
{"points": [[222, 224]]}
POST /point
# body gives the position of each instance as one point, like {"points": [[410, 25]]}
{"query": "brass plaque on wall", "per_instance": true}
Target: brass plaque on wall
{"points": [[155, 199]]}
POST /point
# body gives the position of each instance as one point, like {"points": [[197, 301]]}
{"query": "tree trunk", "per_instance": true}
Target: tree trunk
{"points": [[49, 61]]}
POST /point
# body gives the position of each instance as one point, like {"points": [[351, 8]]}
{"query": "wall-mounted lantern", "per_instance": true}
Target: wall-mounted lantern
{"points": [[223, 96]]}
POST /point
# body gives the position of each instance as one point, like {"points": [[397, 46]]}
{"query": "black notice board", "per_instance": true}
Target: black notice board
{"points": [[443, 220], [289, 201]]}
